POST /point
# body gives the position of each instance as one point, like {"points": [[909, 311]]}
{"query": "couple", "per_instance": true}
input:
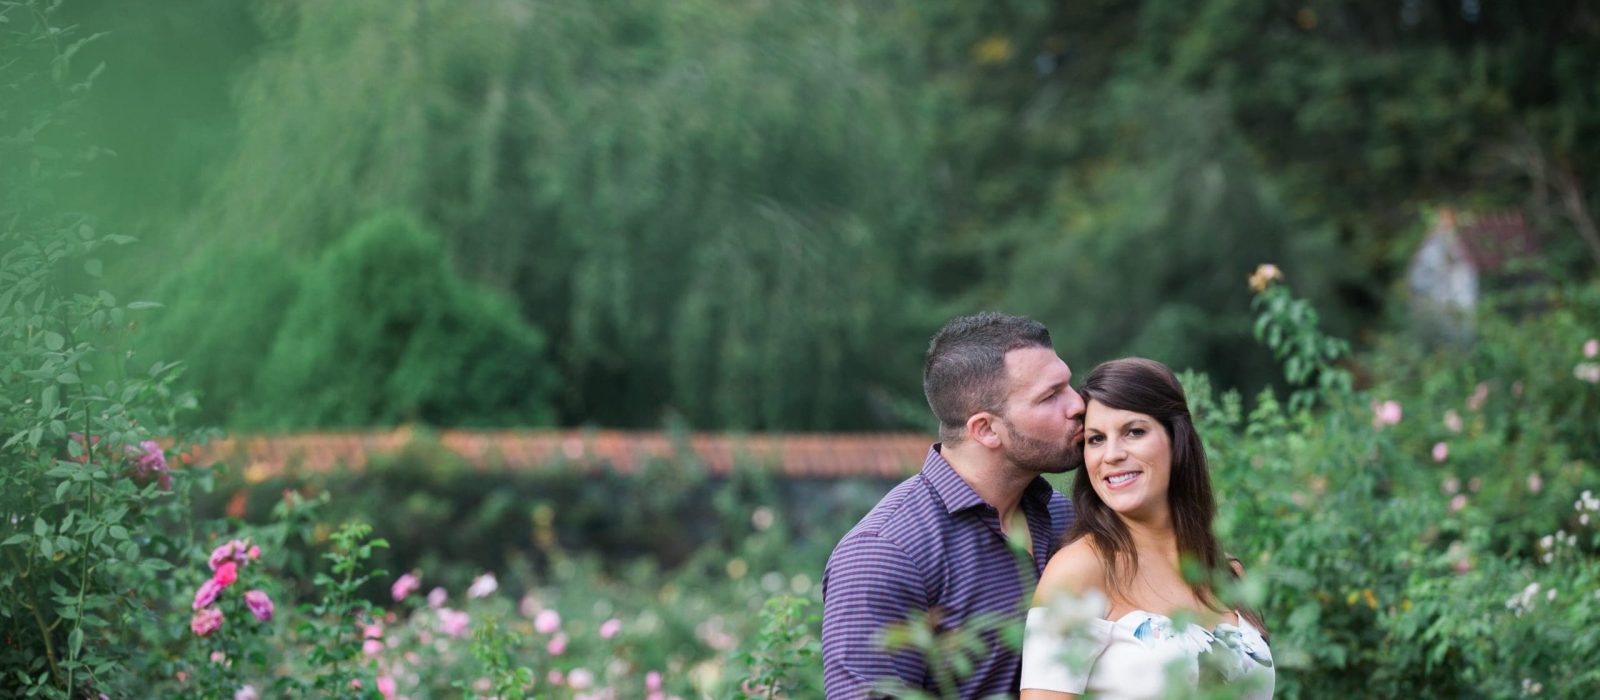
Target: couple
{"points": [[941, 543]]}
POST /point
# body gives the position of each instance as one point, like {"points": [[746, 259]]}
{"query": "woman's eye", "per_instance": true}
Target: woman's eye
{"points": [[1096, 439], [1135, 432]]}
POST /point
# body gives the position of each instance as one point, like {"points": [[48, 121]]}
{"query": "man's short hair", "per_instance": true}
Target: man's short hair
{"points": [[965, 372]]}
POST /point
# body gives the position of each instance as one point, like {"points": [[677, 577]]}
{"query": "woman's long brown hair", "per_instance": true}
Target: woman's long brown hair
{"points": [[1149, 387]]}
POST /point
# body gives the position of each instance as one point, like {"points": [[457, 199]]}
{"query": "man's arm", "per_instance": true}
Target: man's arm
{"points": [[868, 584]]}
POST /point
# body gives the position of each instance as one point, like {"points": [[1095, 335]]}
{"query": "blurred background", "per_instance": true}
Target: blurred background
{"points": [[683, 259], [752, 215]]}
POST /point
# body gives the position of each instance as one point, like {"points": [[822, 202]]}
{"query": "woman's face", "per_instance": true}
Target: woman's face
{"points": [[1128, 458]]}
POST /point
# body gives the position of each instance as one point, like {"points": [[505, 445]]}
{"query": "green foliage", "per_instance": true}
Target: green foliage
{"points": [[330, 626], [707, 227], [383, 331], [90, 513], [785, 654]]}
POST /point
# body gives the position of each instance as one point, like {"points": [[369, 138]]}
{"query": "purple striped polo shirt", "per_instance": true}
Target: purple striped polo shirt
{"points": [[931, 543]]}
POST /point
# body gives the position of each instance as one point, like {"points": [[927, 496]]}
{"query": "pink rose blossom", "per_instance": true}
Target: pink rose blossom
{"points": [[547, 621], [254, 552], [206, 621], [148, 459], [1386, 413], [373, 635], [219, 555], [355, 683], [652, 681], [436, 597], [610, 628], [482, 586], [557, 645], [1441, 452], [1480, 394], [218, 656], [247, 692], [206, 595], [555, 678], [1452, 421], [260, 605], [222, 554], [580, 678], [1591, 348], [453, 623], [1457, 503], [226, 574], [404, 586], [1535, 483], [386, 687]]}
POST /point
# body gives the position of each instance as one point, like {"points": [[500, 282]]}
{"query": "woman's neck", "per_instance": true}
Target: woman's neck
{"points": [[1154, 538]]}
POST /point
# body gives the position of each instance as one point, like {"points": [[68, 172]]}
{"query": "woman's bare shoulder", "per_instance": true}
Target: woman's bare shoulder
{"points": [[1075, 569]]}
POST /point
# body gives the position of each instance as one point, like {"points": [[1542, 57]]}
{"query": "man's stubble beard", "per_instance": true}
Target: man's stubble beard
{"points": [[1041, 456]]}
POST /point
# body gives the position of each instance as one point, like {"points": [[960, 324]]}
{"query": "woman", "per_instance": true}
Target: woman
{"points": [[1144, 505]]}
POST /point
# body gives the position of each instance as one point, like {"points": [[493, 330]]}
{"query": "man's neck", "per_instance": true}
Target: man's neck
{"points": [[998, 482]]}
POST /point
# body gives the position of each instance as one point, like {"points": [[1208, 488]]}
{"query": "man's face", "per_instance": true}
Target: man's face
{"points": [[1043, 414]]}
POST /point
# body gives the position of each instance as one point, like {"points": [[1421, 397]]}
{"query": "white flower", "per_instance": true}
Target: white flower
{"points": [[1546, 542]]}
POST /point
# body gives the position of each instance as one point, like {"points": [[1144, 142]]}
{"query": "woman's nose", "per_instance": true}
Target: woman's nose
{"points": [[1114, 452]]}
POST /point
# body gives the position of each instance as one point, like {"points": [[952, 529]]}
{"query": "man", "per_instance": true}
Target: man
{"points": [[937, 543]]}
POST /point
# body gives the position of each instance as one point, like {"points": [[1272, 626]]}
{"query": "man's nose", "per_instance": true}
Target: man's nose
{"points": [[1075, 405]]}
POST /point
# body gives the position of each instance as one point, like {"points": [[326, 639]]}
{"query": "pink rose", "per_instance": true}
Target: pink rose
{"points": [[254, 553], [206, 621], [207, 594], [226, 574], [1591, 348], [436, 597], [148, 458], [220, 555], [652, 681], [580, 678], [557, 645], [453, 623], [1441, 452], [1457, 503], [386, 687], [260, 605], [404, 586], [1386, 413], [610, 628], [547, 621]]}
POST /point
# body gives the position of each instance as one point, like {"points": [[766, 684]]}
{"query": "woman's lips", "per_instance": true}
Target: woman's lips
{"points": [[1120, 480]]}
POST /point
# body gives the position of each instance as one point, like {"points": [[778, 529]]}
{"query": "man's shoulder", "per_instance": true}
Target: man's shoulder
{"points": [[903, 516]]}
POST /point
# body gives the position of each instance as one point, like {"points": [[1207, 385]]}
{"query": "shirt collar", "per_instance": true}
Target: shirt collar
{"points": [[957, 495]]}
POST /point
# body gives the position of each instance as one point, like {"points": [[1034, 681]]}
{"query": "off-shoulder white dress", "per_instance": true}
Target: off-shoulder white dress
{"points": [[1133, 656]]}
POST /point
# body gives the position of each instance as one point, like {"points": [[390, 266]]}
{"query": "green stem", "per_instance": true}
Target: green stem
{"points": [[44, 632]]}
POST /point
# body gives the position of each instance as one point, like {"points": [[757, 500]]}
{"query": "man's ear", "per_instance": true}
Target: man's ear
{"points": [[981, 428]]}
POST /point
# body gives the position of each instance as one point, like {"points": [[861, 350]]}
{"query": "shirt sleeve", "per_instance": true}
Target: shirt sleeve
{"points": [[869, 583], [1053, 659]]}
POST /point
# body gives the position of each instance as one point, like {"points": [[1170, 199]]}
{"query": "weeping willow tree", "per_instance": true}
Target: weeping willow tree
{"points": [[714, 209]]}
